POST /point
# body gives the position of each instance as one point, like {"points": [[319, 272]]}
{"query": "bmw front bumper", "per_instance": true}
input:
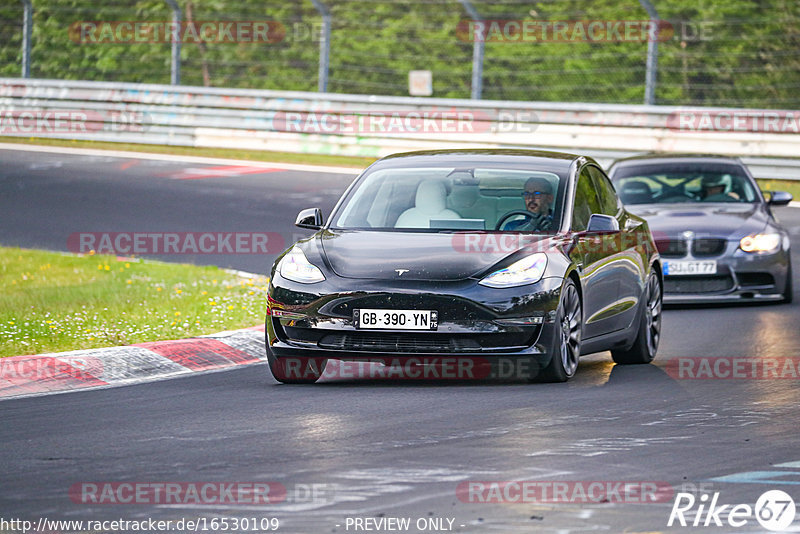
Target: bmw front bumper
{"points": [[740, 277]]}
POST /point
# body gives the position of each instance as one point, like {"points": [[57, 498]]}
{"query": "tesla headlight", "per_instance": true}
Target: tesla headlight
{"points": [[525, 271], [760, 243], [296, 267]]}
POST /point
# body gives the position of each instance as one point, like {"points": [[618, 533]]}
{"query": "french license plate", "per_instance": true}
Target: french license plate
{"points": [[396, 319], [679, 268]]}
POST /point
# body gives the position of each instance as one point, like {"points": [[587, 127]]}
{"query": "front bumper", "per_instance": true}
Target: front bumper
{"points": [[475, 322], [727, 298], [741, 277]]}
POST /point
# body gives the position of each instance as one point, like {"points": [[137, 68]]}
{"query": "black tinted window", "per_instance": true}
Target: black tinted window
{"points": [[609, 203], [586, 202]]}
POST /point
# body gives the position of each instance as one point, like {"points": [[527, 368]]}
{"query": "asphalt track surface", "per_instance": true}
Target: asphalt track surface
{"points": [[382, 448]]}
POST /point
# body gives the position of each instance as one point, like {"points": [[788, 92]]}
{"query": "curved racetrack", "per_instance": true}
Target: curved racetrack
{"points": [[379, 448]]}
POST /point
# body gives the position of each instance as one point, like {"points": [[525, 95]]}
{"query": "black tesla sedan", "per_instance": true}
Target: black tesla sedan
{"points": [[716, 233], [472, 259]]}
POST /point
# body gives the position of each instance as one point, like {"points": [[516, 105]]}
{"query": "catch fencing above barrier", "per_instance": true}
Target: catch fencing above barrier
{"points": [[373, 126]]}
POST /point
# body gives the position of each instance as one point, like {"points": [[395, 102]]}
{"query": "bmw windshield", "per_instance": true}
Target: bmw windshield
{"points": [[679, 182]]}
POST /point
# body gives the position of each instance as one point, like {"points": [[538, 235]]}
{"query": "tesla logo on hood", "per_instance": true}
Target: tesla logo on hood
{"points": [[688, 234], [400, 271]]}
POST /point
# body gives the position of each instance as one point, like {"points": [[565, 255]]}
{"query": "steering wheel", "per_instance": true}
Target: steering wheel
{"points": [[510, 214]]}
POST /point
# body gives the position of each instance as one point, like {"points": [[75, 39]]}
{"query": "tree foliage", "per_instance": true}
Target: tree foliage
{"points": [[743, 53]]}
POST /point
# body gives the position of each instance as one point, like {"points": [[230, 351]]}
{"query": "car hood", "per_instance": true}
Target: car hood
{"points": [[729, 221], [422, 256]]}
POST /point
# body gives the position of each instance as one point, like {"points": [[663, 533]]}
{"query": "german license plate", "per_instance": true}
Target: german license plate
{"points": [[365, 319], [681, 268]]}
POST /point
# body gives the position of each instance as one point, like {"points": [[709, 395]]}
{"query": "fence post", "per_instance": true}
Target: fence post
{"points": [[652, 54], [324, 46], [477, 53], [27, 28], [175, 69]]}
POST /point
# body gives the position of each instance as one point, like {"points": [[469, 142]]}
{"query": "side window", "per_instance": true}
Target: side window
{"points": [[609, 202], [586, 202]]}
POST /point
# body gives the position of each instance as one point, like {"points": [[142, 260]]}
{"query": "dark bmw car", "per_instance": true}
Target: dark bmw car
{"points": [[436, 256], [714, 229]]}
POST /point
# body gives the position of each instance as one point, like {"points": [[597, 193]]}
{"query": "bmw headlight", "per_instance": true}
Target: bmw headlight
{"points": [[760, 243], [528, 270], [295, 266]]}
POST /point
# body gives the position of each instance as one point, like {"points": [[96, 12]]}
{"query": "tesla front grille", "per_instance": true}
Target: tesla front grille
{"points": [[707, 247], [418, 343], [671, 248], [697, 284]]}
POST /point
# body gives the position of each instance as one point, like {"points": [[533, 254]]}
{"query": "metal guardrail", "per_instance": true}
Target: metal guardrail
{"points": [[329, 123]]}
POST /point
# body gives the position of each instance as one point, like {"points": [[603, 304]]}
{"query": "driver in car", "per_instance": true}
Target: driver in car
{"points": [[538, 196], [714, 190]]}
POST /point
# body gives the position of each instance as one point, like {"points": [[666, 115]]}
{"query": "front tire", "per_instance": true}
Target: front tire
{"points": [[566, 351], [787, 289], [645, 345]]}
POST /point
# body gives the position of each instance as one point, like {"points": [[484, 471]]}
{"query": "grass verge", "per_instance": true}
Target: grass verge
{"points": [[250, 155], [52, 302], [781, 185]]}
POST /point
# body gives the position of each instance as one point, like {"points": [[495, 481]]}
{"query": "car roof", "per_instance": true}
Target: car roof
{"points": [[559, 161], [673, 158]]}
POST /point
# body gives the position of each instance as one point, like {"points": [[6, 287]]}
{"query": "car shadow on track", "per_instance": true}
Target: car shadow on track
{"points": [[718, 305], [594, 371]]}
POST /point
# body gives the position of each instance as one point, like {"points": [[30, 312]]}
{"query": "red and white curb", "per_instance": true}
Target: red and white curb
{"points": [[25, 376]]}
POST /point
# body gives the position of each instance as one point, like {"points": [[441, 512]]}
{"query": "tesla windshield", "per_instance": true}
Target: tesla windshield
{"points": [[666, 183], [452, 199]]}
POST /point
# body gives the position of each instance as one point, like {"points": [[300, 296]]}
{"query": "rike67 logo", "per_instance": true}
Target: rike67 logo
{"points": [[774, 510]]}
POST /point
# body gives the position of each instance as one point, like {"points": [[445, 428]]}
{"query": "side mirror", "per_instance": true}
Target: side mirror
{"points": [[602, 223], [779, 198], [310, 218]]}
